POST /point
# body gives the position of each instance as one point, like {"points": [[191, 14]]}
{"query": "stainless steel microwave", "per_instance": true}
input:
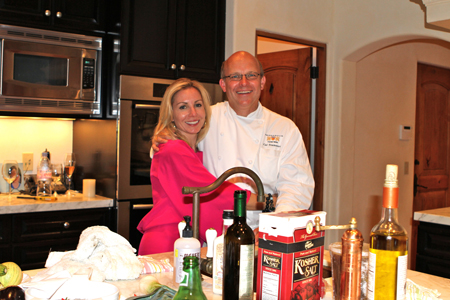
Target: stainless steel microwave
{"points": [[49, 72]]}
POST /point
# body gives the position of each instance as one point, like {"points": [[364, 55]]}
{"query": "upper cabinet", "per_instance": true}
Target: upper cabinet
{"points": [[72, 15], [173, 38]]}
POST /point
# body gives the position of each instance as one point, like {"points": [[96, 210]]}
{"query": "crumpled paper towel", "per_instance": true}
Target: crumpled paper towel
{"points": [[109, 255], [46, 287], [418, 292]]}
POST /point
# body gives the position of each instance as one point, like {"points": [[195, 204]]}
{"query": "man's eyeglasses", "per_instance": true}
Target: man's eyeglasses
{"points": [[238, 77]]}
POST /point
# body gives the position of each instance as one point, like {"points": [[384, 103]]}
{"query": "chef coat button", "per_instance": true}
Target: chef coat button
{"points": [[256, 141], [260, 121], [221, 133], [250, 161], [220, 157]]}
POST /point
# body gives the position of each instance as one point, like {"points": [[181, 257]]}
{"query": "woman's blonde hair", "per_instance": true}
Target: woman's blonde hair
{"points": [[165, 126]]}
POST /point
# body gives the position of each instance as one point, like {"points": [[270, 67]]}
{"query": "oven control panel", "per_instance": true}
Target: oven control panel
{"points": [[88, 73]]}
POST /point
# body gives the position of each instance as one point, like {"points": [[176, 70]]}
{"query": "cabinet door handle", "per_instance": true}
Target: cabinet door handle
{"points": [[173, 66], [48, 13], [58, 14], [142, 206], [182, 68], [66, 225]]}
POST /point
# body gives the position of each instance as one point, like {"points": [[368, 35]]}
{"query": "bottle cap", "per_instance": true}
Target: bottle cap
{"points": [[187, 231], [228, 214], [46, 153]]}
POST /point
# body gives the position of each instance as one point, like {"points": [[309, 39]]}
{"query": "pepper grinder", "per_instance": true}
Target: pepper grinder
{"points": [[352, 244]]}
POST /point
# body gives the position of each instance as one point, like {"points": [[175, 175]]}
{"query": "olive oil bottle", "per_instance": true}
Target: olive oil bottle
{"points": [[388, 254]]}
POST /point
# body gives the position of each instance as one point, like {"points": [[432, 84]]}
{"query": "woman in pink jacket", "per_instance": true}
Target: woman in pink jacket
{"points": [[184, 118]]}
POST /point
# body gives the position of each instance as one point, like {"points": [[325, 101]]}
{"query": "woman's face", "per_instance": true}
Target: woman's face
{"points": [[189, 112]]}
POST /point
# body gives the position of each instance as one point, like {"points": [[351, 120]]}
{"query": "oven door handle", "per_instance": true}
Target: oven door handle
{"points": [[142, 206], [146, 106]]}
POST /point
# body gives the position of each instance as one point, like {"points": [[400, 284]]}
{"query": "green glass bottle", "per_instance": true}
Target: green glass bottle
{"points": [[191, 284], [239, 254]]}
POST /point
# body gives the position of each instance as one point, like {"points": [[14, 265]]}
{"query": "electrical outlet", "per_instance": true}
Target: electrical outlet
{"points": [[27, 160]]}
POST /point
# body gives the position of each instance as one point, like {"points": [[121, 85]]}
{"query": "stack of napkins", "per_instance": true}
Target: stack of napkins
{"points": [[418, 292]]}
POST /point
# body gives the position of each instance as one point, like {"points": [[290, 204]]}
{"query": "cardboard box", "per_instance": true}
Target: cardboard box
{"points": [[290, 256]]}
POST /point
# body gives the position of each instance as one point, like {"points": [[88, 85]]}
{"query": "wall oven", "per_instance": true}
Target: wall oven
{"points": [[140, 99], [49, 72]]}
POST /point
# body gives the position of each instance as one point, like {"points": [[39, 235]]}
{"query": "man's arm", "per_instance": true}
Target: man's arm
{"points": [[295, 184]]}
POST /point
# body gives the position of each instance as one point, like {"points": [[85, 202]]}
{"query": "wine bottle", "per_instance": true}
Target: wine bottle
{"points": [[217, 277], [239, 253], [388, 253], [191, 284]]}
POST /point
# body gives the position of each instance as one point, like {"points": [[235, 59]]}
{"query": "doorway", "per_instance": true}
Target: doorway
{"points": [[288, 63], [432, 144]]}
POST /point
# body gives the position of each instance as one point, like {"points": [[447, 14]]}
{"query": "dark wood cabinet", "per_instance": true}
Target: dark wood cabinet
{"points": [[433, 249], [72, 15], [28, 238], [172, 39]]}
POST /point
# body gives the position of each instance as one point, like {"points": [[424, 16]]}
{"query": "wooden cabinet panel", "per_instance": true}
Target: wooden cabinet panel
{"points": [[5, 229], [74, 15], [29, 237], [433, 249], [172, 39]]}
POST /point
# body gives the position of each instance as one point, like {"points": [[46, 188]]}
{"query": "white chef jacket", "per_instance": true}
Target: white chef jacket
{"points": [[267, 143]]}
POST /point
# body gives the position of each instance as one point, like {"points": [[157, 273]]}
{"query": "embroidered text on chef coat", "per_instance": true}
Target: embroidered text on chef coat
{"points": [[272, 140]]}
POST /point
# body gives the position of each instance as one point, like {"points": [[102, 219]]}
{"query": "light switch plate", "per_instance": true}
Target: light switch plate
{"points": [[27, 160]]}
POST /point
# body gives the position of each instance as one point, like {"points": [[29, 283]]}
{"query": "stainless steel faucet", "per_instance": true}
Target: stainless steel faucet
{"points": [[196, 191]]}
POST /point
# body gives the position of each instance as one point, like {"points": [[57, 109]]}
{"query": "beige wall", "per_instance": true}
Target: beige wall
{"points": [[20, 135], [385, 99], [352, 30]]}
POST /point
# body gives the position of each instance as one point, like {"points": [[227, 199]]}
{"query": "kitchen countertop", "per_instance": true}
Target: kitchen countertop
{"points": [[15, 205], [438, 216], [130, 288]]}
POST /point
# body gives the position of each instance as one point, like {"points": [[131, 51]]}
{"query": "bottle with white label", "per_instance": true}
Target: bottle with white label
{"points": [[239, 254], [388, 253], [187, 245], [217, 276]]}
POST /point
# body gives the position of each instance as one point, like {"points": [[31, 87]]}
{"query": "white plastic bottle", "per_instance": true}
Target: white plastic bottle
{"points": [[44, 176], [218, 253], [184, 246]]}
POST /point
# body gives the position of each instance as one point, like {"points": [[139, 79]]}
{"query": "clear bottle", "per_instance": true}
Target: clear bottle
{"points": [[44, 175], [388, 253], [191, 283], [187, 245], [217, 277], [239, 254]]}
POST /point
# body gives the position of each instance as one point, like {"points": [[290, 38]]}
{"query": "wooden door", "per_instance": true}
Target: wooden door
{"points": [[432, 148], [288, 92], [288, 87]]}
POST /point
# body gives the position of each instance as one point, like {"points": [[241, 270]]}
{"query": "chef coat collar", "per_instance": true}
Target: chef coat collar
{"points": [[257, 114]]}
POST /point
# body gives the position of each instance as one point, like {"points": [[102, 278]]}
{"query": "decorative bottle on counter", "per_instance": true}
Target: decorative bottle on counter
{"points": [[239, 254], [388, 254], [44, 175], [184, 246], [217, 277], [191, 283]]}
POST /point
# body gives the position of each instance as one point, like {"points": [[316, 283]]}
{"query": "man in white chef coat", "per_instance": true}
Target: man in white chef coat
{"points": [[243, 133], [246, 134]]}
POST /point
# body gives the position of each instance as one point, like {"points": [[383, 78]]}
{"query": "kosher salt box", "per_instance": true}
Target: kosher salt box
{"points": [[290, 255]]}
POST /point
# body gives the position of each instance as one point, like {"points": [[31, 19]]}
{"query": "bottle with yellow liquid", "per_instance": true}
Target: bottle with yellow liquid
{"points": [[388, 254]]}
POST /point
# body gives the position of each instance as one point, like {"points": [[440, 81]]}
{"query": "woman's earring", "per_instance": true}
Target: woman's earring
{"points": [[174, 126], [204, 124]]}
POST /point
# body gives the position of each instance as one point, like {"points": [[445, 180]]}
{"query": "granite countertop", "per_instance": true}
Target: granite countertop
{"points": [[130, 288], [438, 216], [15, 205]]}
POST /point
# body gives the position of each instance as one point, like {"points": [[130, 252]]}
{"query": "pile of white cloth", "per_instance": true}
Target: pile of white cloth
{"points": [[107, 255]]}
